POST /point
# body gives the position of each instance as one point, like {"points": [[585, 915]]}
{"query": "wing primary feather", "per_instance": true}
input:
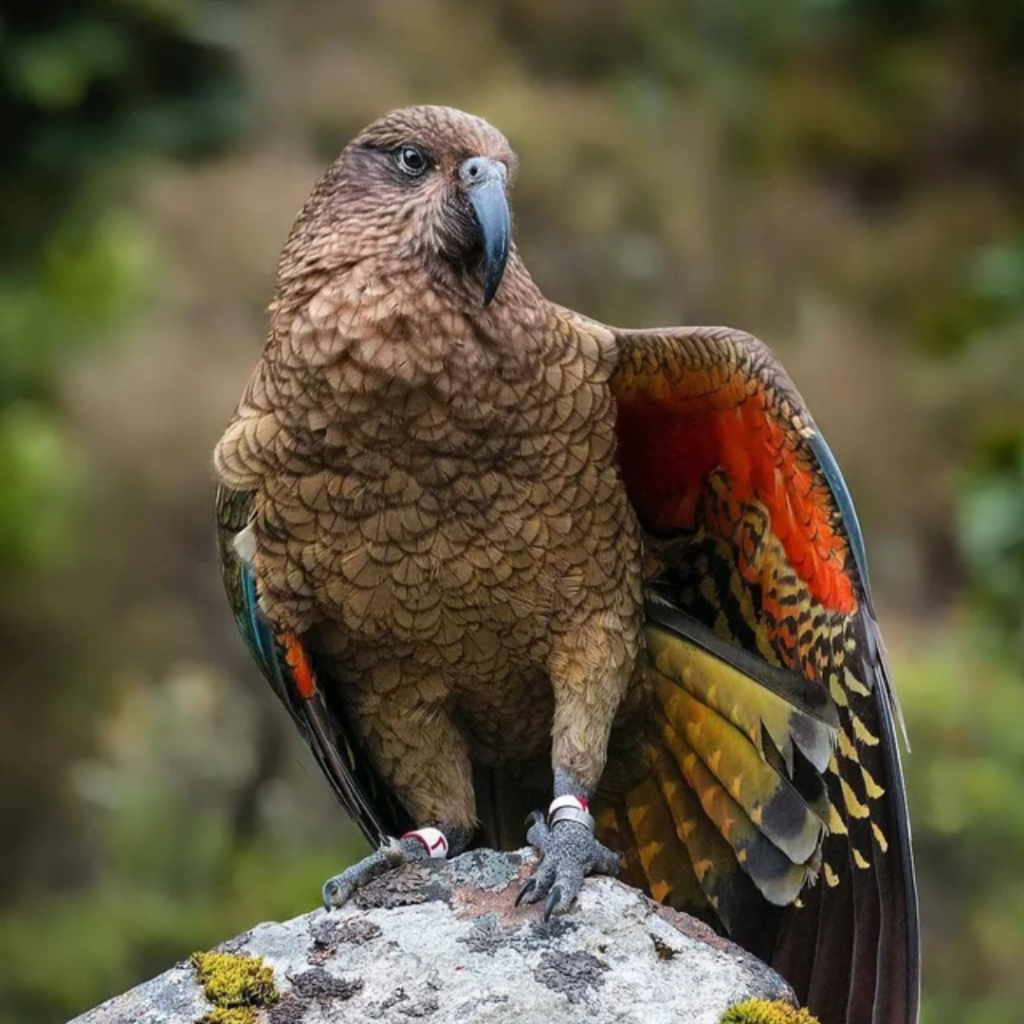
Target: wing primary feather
{"points": [[899, 818], [848, 514], [872, 635], [806, 695]]}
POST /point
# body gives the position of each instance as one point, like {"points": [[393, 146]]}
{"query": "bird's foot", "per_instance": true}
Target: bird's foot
{"points": [[570, 852], [413, 847]]}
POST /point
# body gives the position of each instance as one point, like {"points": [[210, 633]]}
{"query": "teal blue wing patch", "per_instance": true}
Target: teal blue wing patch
{"points": [[290, 668]]}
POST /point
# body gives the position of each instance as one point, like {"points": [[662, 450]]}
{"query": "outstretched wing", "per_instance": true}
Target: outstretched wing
{"points": [[290, 669], [753, 536]]}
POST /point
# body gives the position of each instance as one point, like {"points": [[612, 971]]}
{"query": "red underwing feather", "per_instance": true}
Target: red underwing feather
{"points": [[672, 437]]}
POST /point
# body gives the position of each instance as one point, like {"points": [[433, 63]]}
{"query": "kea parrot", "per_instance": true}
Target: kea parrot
{"points": [[511, 568]]}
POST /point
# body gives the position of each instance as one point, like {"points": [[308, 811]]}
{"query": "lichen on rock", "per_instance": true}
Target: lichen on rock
{"points": [[760, 1011], [236, 984]]}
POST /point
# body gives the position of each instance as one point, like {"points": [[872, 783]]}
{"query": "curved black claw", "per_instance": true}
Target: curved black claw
{"points": [[570, 853], [338, 890], [554, 898], [528, 887]]}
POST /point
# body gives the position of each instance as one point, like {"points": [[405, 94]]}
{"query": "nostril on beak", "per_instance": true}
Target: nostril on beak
{"points": [[479, 169]]}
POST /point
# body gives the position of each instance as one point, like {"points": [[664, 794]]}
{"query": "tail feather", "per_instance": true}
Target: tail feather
{"points": [[674, 851], [727, 813]]}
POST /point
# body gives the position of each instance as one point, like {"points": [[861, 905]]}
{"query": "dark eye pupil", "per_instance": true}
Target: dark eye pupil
{"points": [[411, 160]]}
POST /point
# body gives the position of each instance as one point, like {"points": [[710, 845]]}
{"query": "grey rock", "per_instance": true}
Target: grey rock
{"points": [[445, 944]]}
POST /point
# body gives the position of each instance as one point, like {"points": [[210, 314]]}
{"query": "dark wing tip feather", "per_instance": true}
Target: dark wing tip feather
{"points": [[354, 782], [883, 960], [904, 882], [899, 924]]}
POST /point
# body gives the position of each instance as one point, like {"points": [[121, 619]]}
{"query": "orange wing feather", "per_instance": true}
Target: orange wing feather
{"points": [[673, 434], [297, 660]]}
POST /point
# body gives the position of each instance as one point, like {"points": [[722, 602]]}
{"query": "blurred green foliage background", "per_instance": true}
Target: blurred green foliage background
{"points": [[843, 177]]}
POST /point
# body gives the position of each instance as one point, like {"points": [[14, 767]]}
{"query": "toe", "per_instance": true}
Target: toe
{"points": [[538, 887], [553, 901], [524, 893], [394, 853], [605, 861], [336, 892], [538, 834], [569, 853], [568, 883]]}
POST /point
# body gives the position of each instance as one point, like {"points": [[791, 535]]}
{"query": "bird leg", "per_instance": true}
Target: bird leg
{"points": [[590, 670], [569, 849], [422, 844], [422, 756]]}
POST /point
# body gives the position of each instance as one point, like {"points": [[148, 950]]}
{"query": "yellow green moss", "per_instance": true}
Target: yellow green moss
{"points": [[236, 985], [758, 1011]]}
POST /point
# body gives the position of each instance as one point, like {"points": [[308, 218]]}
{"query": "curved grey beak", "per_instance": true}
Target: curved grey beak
{"points": [[484, 183]]}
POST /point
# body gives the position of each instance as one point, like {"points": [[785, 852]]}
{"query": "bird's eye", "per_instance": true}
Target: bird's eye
{"points": [[411, 160]]}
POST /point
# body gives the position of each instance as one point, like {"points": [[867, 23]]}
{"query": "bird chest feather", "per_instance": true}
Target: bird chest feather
{"points": [[464, 498]]}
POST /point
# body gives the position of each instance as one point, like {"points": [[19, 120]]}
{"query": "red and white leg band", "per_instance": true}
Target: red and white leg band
{"points": [[433, 841], [571, 808]]}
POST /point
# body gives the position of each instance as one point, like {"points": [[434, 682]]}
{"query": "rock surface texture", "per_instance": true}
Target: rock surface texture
{"points": [[444, 943]]}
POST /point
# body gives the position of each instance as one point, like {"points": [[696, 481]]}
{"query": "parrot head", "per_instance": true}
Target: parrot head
{"points": [[419, 184]]}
